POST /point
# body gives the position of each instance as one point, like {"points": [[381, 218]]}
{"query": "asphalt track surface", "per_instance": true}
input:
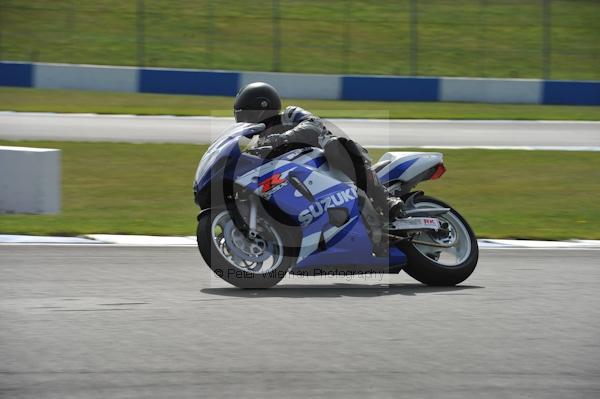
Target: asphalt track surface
{"points": [[442, 133], [124, 322]]}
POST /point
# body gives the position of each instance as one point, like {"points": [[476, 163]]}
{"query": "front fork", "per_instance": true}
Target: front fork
{"points": [[252, 217]]}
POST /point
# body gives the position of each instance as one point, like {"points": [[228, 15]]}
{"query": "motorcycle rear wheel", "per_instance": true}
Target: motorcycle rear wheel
{"points": [[425, 262]]}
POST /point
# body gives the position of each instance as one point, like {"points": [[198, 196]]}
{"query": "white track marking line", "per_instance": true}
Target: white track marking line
{"points": [[489, 147], [190, 241]]}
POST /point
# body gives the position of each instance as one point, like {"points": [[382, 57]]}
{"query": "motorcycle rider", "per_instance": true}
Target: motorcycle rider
{"points": [[295, 127]]}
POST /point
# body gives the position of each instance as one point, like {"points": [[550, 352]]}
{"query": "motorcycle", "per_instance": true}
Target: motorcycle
{"points": [[263, 217]]}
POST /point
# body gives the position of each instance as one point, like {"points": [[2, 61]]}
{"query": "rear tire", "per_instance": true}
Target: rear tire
{"points": [[427, 270], [236, 275]]}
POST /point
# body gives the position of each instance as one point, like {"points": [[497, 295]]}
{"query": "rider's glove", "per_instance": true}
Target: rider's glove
{"points": [[259, 127], [273, 140]]}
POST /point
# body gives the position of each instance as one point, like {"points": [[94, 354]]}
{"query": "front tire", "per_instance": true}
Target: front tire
{"points": [[425, 263], [243, 262]]}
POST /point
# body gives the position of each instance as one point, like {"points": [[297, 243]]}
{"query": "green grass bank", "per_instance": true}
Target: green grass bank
{"points": [[492, 38], [147, 189]]}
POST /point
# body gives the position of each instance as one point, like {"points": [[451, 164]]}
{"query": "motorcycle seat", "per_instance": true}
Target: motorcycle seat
{"points": [[380, 165]]}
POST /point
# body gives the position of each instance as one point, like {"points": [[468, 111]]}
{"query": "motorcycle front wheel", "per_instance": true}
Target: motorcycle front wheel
{"points": [[442, 258], [243, 261]]}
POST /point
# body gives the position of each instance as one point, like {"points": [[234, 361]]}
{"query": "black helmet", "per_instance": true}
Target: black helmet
{"points": [[256, 103]]}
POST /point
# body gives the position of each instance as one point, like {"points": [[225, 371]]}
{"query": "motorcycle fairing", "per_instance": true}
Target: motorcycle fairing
{"points": [[348, 244], [212, 167]]}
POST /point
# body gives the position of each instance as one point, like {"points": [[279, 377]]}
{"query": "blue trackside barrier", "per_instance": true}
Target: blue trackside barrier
{"points": [[297, 85], [571, 93], [85, 77], [173, 81], [389, 88], [486, 90], [19, 74]]}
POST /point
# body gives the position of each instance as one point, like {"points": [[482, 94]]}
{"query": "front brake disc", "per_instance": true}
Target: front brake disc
{"points": [[247, 253]]}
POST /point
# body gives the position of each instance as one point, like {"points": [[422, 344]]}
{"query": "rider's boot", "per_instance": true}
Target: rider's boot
{"points": [[394, 209]]}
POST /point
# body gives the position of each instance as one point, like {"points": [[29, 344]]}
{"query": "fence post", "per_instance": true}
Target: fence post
{"points": [[276, 21], [482, 38], [210, 33], [68, 32], [546, 56], [347, 43], [414, 44], [1, 25], [140, 33]]}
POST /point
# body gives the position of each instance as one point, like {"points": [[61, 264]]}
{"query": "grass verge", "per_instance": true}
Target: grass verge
{"points": [[499, 38], [21, 99], [146, 189]]}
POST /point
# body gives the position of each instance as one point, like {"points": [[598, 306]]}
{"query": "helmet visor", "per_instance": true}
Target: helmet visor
{"points": [[252, 115]]}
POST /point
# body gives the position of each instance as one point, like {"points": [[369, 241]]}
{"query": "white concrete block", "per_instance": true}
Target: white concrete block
{"points": [[526, 91], [85, 77], [297, 85], [30, 180]]}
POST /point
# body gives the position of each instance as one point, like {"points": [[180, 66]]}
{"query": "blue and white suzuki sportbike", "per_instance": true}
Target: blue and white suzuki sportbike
{"points": [[263, 218]]}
